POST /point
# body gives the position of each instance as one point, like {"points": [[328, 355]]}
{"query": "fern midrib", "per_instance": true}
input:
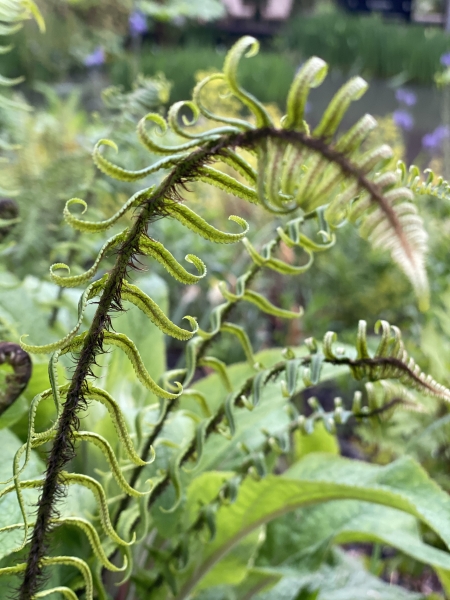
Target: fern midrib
{"points": [[62, 450]]}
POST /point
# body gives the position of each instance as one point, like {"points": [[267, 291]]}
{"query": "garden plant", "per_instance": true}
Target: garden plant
{"points": [[122, 478]]}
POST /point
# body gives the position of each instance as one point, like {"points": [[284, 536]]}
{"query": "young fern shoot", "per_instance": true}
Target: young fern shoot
{"points": [[295, 174]]}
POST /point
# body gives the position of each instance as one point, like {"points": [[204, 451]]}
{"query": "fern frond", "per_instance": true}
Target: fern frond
{"points": [[390, 361]]}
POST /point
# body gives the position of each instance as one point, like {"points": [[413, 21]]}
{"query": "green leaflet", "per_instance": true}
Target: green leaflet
{"points": [[228, 406], [292, 370], [352, 90], [190, 219], [80, 565], [215, 318], [118, 420], [148, 306], [191, 358], [361, 340], [227, 184], [295, 238], [239, 124], [97, 226], [76, 280], [246, 46], [64, 591], [262, 303], [92, 536], [273, 263], [108, 452], [174, 475], [157, 251], [241, 335], [199, 398], [200, 436], [351, 140], [310, 75], [95, 487], [240, 165], [258, 383], [121, 174], [220, 368], [124, 343], [27, 484], [151, 145], [174, 118], [272, 201]]}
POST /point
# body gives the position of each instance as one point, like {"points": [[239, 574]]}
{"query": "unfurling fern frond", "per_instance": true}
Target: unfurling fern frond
{"points": [[389, 361], [317, 177]]}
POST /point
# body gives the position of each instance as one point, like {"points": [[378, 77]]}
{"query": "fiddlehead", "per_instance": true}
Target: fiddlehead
{"points": [[15, 383], [299, 176]]}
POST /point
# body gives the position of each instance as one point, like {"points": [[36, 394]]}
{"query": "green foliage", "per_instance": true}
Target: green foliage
{"points": [[368, 44], [183, 472]]}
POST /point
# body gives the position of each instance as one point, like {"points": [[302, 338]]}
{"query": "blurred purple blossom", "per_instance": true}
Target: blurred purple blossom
{"points": [[445, 59], [403, 119], [406, 97], [433, 141], [137, 23], [95, 59]]}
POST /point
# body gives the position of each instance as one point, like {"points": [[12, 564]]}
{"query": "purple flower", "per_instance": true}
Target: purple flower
{"points": [[433, 141], [403, 119], [95, 59], [406, 96], [138, 23], [445, 59]]}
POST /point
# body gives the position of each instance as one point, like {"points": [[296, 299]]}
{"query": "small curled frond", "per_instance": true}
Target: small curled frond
{"points": [[389, 361], [116, 172], [97, 226], [16, 382], [260, 301], [429, 185], [266, 260], [152, 145]]}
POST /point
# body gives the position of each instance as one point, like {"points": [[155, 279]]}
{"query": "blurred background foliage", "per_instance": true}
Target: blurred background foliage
{"points": [[104, 64]]}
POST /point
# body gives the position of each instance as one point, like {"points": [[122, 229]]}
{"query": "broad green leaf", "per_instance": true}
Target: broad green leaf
{"points": [[402, 485], [320, 440], [307, 534], [344, 579]]}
